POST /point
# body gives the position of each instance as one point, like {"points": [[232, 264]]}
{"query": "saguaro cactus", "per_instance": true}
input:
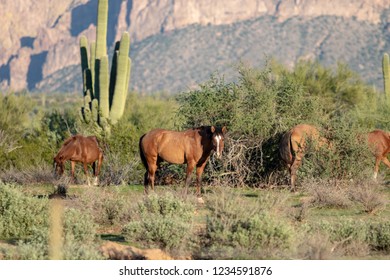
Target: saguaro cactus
{"points": [[386, 76], [104, 91]]}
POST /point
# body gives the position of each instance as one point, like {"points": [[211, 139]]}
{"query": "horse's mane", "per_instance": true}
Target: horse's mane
{"points": [[67, 141], [68, 144]]}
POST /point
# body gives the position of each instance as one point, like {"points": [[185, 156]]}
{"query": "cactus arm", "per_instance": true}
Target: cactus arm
{"points": [[101, 29], [92, 68], [104, 92], [386, 76], [120, 93], [128, 74], [84, 55], [103, 87]]}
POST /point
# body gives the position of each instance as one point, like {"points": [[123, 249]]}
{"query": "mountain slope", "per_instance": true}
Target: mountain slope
{"points": [[177, 60], [39, 41]]}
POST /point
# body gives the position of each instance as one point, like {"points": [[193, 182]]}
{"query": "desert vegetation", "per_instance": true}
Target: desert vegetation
{"points": [[249, 212]]}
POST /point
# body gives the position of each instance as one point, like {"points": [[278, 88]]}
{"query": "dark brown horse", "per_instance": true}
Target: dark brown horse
{"points": [[79, 149], [379, 142], [192, 147], [292, 147]]}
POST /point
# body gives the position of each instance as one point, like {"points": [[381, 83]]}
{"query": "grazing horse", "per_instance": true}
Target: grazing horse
{"points": [[293, 144], [192, 146], [79, 149], [379, 142]]}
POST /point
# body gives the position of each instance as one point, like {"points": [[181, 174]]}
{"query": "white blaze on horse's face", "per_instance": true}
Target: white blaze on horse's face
{"points": [[218, 144]]}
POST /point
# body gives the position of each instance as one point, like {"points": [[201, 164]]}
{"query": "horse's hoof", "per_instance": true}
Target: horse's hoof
{"points": [[96, 181]]}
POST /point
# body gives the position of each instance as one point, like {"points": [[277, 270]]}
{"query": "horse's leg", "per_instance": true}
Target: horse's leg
{"points": [[152, 167], [99, 166], [86, 172], [95, 181], [376, 168], [386, 161], [72, 166], [190, 168], [293, 171], [94, 168], [146, 182], [199, 172]]}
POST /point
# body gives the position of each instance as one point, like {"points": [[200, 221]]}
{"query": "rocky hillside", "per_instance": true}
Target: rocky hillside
{"points": [[176, 44]]}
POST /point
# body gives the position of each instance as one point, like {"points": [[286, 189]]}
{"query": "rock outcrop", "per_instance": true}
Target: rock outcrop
{"points": [[38, 38]]}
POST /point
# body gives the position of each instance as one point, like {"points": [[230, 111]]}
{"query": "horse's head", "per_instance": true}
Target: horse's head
{"points": [[218, 135], [58, 166]]}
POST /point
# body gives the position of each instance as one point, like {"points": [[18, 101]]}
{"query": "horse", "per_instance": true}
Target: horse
{"points": [[192, 147], [81, 149], [379, 143], [292, 147]]}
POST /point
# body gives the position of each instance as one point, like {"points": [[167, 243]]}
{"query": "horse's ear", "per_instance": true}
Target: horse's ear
{"points": [[212, 129], [224, 130]]}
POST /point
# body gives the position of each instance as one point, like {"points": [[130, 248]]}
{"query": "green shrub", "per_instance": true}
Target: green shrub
{"points": [[78, 227], [372, 233], [20, 215], [78, 236], [369, 197], [264, 103], [344, 231], [106, 207], [163, 221], [244, 226], [325, 194], [379, 235]]}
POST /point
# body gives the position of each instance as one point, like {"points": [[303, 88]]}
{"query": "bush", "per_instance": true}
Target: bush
{"points": [[342, 233], [264, 103], [106, 207], [238, 228], [325, 194], [379, 235], [26, 220], [162, 220], [20, 215], [369, 197], [42, 173], [78, 236]]}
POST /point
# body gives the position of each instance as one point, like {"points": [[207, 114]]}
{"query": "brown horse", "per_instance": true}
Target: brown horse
{"points": [[379, 142], [293, 145], [79, 149], [192, 147]]}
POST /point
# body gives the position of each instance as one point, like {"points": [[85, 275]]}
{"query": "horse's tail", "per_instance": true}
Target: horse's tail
{"points": [[141, 152], [285, 147]]}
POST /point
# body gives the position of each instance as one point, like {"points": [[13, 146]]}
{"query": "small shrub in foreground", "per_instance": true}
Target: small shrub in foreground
{"points": [[369, 197], [325, 194], [250, 231], [162, 220], [20, 215]]}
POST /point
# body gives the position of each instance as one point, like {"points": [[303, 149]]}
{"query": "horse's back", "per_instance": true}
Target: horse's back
{"points": [[168, 145], [90, 148], [294, 140], [379, 141], [302, 131], [67, 149], [80, 148]]}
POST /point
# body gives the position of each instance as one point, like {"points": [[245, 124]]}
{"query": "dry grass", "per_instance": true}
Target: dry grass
{"points": [[369, 197], [31, 175], [315, 247], [325, 194]]}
